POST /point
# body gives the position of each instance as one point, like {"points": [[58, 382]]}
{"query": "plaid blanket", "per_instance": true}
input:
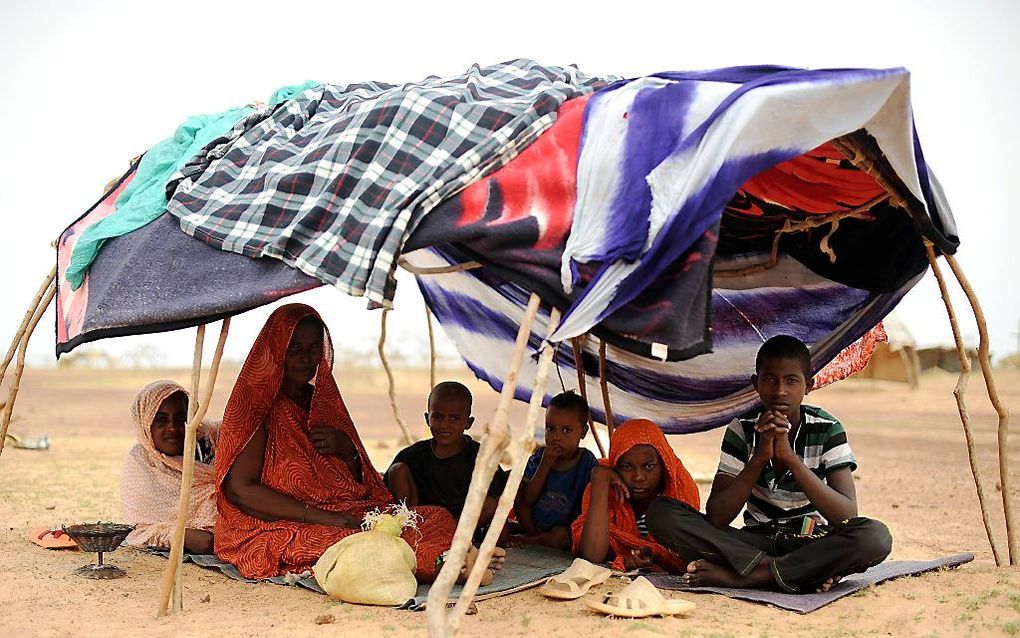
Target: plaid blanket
{"points": [[333, 181]]}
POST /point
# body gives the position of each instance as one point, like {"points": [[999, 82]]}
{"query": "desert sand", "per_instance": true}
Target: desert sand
{"points": [[914, 475]]}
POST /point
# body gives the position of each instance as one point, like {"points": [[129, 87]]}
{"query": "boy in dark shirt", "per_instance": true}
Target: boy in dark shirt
{"points": [[556, 475], [437, 471], [791, 466]]}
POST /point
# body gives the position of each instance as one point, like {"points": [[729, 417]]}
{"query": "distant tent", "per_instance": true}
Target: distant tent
{"points": [[945, 358], [896, 359]]}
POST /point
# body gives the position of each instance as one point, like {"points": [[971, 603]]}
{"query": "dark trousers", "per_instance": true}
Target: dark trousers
{"points": [[799, 562]]}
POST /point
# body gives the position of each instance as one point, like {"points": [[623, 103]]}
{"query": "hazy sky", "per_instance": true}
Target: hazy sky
{"points": [[86, 86]]}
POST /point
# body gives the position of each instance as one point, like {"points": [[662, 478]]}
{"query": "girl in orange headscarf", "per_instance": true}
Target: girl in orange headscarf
{"points": [[292, 474], [641, 467]]}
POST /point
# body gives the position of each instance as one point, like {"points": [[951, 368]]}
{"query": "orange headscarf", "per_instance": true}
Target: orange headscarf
{"points": [[623, 530]]}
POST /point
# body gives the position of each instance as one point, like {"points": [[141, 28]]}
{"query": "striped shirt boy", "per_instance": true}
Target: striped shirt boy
{"points": [[820, 441]]}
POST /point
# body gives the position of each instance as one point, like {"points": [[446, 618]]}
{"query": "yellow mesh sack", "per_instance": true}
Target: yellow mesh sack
{"points": [[372, 567]]}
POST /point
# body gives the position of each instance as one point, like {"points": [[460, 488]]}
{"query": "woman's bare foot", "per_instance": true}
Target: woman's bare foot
{"points": [[498, 560], [469, 563], [702, 573], [828, 583], [518, 541]]}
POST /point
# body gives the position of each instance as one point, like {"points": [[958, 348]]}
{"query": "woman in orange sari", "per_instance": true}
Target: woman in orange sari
{"points": [[292, 474], [640, 468]]}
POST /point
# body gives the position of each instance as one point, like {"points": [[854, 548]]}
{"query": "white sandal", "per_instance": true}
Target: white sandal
{"points": [[639, 599], [575, 581]]}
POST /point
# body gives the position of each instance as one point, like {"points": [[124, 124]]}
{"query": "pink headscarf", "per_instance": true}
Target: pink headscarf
{"points": [[150, 482]]}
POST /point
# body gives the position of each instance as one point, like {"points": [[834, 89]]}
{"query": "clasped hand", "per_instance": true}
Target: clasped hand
{"points": [[774, 428]]}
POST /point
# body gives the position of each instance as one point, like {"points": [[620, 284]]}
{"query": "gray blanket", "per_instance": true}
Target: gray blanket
{"points": [[806, 603], [526, 567]]}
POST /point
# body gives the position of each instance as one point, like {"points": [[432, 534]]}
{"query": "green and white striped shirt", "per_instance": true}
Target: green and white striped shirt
{"points": [[820, 440]]}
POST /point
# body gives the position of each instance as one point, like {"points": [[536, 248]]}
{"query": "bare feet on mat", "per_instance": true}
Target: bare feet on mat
{"points": [[828, 583], [557, 537], [469, 563], [702, 573], [518, 541], [498, 560]]}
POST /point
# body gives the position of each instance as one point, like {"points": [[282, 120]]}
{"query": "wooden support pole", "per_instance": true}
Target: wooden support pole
{"points": [[173, 566], [389, 375], [522, 443], [493, 444], [19, 368], [196, 381], [432, 348], [196, 371], [961, 400], [582, 387], [604, 382], [1000, 409], [437, 270], [24, 322]]}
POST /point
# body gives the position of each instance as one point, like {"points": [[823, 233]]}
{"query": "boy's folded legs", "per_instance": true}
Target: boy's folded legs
{"points": [[850, 547], [805, 562], [687, 533]]}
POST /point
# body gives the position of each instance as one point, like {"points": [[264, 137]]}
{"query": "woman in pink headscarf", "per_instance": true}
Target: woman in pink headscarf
{"points": [[150, 483]]}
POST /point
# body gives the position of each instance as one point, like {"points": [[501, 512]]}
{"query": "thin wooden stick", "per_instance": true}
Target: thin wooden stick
{"points": [[610, 422], [389, 375], [437, 270], [907, 364], [1000, 409], [961, 400], [19, 368], [196, 371], [520, 448], [173, 566], [582, 386], [493, 444], [432, 348], [851, 150], [196, 380], [24, 322], [862, 212]]}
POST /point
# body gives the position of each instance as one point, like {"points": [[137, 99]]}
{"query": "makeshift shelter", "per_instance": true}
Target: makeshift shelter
{"points": [[644, 236], [943, 358], [896, 359]]}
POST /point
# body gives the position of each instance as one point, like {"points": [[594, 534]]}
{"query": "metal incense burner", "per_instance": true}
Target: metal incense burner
{"points": [[100, 538]]}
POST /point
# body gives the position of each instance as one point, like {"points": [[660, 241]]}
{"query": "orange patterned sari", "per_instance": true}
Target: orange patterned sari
{"points": [[292, 466]]}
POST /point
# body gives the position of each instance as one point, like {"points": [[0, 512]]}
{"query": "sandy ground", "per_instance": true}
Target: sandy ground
{"points": [[914, 476]]}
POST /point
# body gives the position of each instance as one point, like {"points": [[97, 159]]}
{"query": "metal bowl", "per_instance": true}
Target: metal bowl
{"points": [[98, 537]]}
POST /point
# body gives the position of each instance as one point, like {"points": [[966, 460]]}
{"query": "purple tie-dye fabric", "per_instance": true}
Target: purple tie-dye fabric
{"points": [[655, 126]]}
